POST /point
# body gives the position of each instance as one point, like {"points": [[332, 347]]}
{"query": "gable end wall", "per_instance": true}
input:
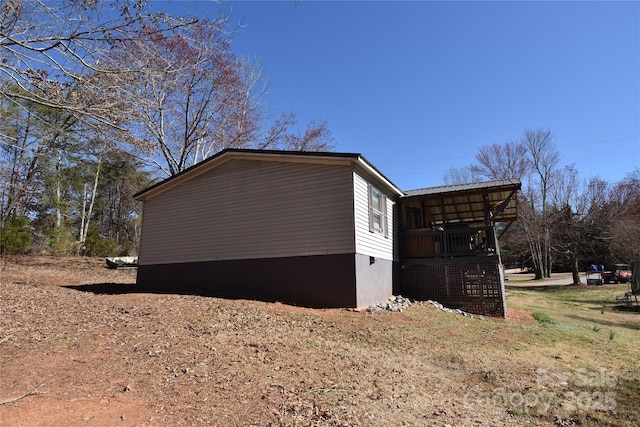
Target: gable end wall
{"points": [[249, 209]]}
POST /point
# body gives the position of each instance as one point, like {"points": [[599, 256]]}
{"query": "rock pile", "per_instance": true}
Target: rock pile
{"points": [[439, 306], [395, 303], [399, 303]]}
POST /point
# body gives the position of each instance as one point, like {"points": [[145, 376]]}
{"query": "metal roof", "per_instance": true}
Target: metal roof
{"points": [[478, 202]]}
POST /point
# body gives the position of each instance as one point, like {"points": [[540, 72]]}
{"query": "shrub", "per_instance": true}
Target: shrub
{"points": [[96, 245], [15, 237], [60, 240]]}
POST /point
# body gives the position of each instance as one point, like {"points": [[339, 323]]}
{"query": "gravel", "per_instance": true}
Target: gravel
{"points": [[398, 303]]}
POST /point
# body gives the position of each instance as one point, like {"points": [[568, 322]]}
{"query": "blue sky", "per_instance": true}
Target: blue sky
{"points": [[417, 87]]}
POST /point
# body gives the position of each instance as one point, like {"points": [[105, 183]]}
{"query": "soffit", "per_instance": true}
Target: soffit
{"points": [[468, 203]]}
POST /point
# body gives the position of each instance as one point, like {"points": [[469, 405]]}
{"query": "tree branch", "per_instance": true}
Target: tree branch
{"points": [[29, 393]]}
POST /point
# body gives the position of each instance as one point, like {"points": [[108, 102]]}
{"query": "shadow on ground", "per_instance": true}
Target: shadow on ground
{"points": [[105, 288], [123, 288], [627, 308], [537, 287], [628, 325]]}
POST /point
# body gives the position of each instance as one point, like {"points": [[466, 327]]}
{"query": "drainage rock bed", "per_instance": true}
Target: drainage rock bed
{"points": [[398, 303]]}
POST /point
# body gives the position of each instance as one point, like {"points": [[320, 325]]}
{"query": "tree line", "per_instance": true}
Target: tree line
{"points": [[101, 98], [565, 222]]}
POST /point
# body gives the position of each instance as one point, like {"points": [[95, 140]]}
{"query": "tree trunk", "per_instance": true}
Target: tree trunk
{"points": [[537, 258], [58, 181], [574, 270], [93, 198]]}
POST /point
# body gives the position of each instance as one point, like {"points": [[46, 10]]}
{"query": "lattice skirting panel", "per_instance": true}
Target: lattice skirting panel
{"points": [[474, 288]]}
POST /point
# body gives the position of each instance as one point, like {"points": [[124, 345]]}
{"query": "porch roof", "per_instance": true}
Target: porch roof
{"points": [[473, 203]]}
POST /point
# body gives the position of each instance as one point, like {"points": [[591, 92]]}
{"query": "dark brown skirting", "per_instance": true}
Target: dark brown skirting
{"points": [[324, 281], [472, 287]]}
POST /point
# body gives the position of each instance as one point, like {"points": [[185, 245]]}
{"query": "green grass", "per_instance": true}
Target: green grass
{"points": [[566, 339], [542, 317]]}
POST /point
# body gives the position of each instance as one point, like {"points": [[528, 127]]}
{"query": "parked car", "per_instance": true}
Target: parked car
{"points": [[620, 273]]}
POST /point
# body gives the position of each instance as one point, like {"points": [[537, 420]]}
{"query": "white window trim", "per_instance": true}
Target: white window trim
{"points": [[373, 211]]}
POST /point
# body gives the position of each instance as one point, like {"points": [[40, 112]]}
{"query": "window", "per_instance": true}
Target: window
{"points": [[377, 212]]}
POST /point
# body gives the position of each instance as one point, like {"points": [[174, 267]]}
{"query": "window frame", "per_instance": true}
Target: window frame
{"points": [[380, 226]]}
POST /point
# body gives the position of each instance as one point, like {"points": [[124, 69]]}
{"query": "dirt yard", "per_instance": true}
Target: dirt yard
{"points": [[79, 347]]}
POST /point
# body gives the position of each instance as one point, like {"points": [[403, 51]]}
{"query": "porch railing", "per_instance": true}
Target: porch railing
{"points": [[427, 243]]}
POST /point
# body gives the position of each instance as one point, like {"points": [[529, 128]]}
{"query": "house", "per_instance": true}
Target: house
{"points": [[313, 229], [321, 230]]}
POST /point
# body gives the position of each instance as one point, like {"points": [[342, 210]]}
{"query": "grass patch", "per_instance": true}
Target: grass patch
{"points": [[593, 337], [542, 317]]}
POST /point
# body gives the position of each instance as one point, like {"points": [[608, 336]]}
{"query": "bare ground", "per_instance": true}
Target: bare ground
{"points": [[78, 346]]}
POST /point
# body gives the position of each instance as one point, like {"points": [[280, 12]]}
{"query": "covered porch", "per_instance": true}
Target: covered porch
{"points": [[449, 244]]}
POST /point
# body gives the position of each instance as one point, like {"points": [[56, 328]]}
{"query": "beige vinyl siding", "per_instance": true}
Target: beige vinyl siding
{"points": [[247, 209], [368, 242]]}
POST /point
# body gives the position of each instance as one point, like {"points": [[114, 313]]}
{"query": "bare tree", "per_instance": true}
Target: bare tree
{"points": [[576, 217], [460, 175], [171, 85], [562, 219], [193, 97], [187, 93], [624, 204], [544, 159], [494, 162], [316, 137], [46, 48], [506, 161]]}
